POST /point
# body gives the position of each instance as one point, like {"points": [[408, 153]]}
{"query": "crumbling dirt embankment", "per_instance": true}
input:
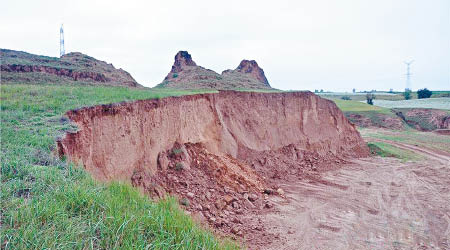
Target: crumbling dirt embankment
{"points": [[425, 119], [75, 75], [217, 152]]}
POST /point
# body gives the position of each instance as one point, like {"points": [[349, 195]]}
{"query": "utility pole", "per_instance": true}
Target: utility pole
{"points": [[62, 51], [408, 75]]}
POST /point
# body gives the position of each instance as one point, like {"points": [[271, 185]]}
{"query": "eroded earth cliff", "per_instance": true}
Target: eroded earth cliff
{"points": [[219, 153]]}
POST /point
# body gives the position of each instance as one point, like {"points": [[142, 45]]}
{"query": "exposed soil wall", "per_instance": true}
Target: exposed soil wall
{"points": [[75, 75], [425, 119], [118, 139], [220, 154], [417, 118], [372, 119]]}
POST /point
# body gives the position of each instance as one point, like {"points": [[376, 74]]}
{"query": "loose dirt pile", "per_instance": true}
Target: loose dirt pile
{"points": [[222, 154]]}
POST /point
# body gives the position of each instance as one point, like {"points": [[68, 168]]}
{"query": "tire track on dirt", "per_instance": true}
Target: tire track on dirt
{"points": [[386, 204], [440, 156]]}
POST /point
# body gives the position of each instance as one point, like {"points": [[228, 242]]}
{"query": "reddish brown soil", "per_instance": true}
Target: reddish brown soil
{"points": [[223, 155], [425, 119], [376, 120], [442, 131], [371, 203], [420, 119]]}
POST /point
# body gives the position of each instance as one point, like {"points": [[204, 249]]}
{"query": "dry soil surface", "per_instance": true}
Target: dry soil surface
{"points": [[370, 203]]}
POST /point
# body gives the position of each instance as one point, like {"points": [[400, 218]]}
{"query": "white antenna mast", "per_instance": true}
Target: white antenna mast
{"points": [[408, 75], [62, 51]]}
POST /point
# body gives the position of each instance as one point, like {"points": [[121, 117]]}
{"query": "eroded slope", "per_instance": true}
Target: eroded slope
{"points": [[218, 152], [75, 67], [186, 74]]}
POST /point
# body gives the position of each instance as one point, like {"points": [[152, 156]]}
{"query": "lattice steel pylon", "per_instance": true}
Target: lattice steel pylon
{"points": [[62, 51], [408, 75]]}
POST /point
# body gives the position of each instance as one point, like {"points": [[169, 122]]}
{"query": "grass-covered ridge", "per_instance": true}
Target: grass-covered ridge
{"points": [[365, 115], [409, 136], [49, 203], [355, 106], [430, 103]]}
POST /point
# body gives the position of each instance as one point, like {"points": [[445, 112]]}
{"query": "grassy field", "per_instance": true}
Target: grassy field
{"points": [[409, 136], [47, 203], [438, 94], [406, 134], [362, 96], [394, 96], [432, 103], [355, 106]]}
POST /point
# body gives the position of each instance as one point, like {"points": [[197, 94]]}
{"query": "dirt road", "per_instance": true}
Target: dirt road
{"points": [[378, 203]]}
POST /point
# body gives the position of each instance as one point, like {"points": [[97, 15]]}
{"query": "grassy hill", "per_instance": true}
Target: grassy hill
{"points": [[186, 74], [49, 203], [72, 68]]}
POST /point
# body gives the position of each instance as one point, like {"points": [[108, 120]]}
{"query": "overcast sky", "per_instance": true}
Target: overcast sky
{"points": [[322, 44]]}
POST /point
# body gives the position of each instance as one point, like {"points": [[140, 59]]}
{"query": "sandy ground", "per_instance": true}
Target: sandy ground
{"points": [[378, 203]]}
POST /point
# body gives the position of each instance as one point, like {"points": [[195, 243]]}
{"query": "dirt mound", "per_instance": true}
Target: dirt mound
{"points": [[22, 67], [219, 153], [425, 119], [186, 74]]}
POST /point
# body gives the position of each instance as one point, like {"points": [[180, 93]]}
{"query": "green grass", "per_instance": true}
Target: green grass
{"points": [[355, 106], [437, 94], [362, 96], [410, 136], [377, 150], [387, 150], [431, 103], [24, 58], [394, 96], [49, 203], [375, 114]]}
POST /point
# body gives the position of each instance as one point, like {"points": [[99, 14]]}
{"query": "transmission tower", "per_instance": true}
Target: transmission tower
{"points": [[408, 75], [62, 51]]}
